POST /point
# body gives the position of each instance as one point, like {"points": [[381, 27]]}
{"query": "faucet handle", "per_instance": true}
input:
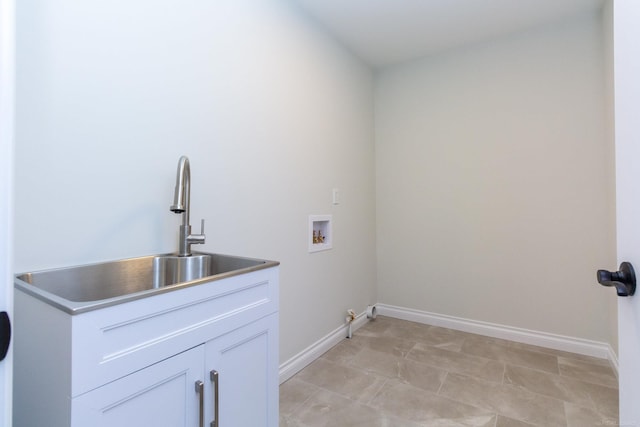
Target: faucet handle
{"points": [[196, 239]]}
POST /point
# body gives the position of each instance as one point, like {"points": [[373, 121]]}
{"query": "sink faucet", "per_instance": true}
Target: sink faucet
{"points": [[181, 206]]}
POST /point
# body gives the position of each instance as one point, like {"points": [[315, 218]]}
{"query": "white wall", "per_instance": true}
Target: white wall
{"points": [[272, 113], [495, 184], [495, 198]]}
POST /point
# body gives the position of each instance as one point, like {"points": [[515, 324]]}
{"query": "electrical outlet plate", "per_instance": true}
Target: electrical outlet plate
{"points": [[320, 224]]}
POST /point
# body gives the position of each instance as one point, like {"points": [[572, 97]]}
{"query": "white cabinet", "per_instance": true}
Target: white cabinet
{"points": [[137, 363], [168, 393], [163, 394], [246, 379]]}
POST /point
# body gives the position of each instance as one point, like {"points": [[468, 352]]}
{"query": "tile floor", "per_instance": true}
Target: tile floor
{"points": [[402, 374]]}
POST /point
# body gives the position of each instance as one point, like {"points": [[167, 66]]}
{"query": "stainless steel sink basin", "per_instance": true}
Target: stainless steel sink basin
{"points": [[168, 270], [171, 269], [87, 287]]}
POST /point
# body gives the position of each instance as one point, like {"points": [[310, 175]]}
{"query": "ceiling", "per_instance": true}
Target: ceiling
{"points": [[383, 32]]}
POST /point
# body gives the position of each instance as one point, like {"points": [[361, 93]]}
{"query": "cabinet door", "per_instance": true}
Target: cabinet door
{"points": [[163, 394], [246, 362]]}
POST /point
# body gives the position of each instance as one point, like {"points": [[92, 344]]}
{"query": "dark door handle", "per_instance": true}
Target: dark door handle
{"points": [[624, 280], [5, 334]]}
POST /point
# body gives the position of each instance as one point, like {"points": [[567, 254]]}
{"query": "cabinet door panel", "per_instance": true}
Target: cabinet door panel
{"points": [[246, 360], [163, 394]]}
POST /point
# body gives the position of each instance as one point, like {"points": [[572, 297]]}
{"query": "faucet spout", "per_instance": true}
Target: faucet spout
{"points": [[181, 205], [183, 189]]}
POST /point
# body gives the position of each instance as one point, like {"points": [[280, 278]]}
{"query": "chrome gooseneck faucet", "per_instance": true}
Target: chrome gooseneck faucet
{"points": [[181, 205]]}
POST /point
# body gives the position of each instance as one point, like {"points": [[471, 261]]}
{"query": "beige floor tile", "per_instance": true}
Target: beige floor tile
{"points": [[373, 328], [421, 375], [377, 362], [293, 393], [329, 409], [428, 408], [492, 340], [411, 331], [389, 320], [409, 371], [560, 353], [386, 344], [287, 421], [505, 353], [395, 373], [454, 361], [379, 326], [350, 382], [600, 398], [503, 421], [443, 338], [584, 417], [415, 332], [544, 350], [505, 400], [585, 371], [343, 352]]}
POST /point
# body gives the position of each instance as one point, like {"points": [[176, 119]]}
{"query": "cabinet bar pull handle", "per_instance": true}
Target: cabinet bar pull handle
{"points": [[214, 378], [200, 391]]}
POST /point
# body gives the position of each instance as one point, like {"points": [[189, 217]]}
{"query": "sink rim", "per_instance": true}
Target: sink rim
{"points": [[77, 307]]}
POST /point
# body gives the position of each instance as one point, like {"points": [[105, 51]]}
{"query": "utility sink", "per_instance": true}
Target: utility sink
{"points": [[88, 287]]}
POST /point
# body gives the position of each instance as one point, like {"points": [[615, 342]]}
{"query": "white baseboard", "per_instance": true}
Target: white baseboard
{"points": [[542, 339], [317, 349]]}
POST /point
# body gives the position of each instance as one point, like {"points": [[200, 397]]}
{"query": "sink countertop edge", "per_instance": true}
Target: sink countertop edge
{"points": [[79, 307]]}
